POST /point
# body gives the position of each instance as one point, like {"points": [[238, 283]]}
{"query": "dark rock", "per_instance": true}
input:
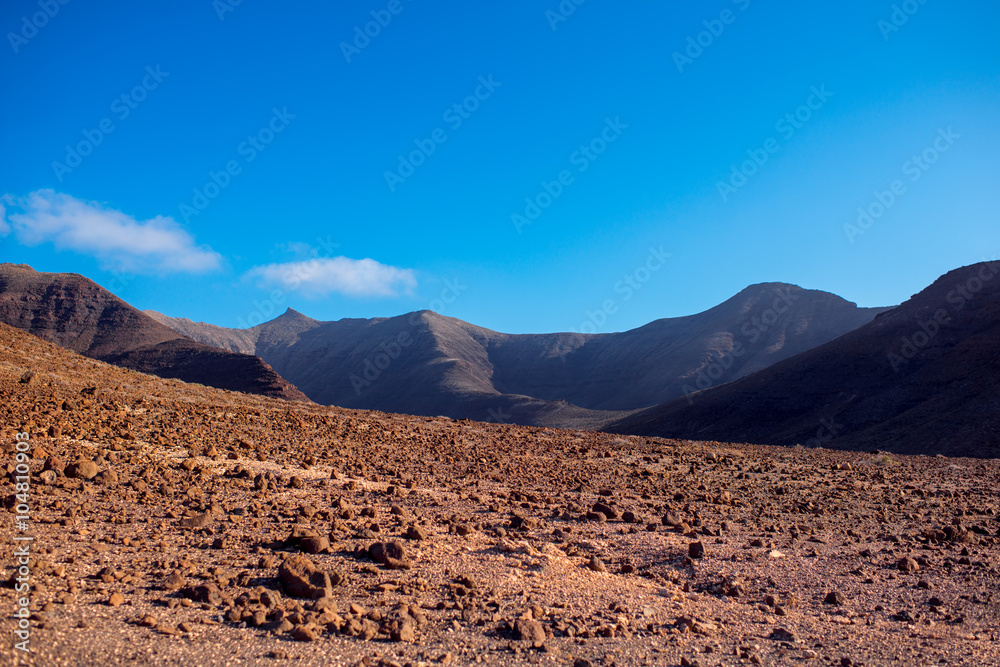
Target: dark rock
{"points": [[606, 510], [208, 593], [530, 631], [304, 580], [196, 522], [833, 597], [82, 470], [596, 564], [415, 533], [390, 554]]}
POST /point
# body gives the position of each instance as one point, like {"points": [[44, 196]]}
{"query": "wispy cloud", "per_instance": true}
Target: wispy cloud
{"points": [[119, 241], [323, 276], [4, 227]]}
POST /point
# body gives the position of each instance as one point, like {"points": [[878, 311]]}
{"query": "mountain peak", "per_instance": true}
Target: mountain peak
{"points": [[11, 265], [292, 315]]}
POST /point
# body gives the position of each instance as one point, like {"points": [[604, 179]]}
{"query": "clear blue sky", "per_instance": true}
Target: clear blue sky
{"points": [[197, 86]]}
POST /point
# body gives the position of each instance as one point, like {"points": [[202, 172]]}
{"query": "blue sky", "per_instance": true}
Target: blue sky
{"points": [[586, 147]]}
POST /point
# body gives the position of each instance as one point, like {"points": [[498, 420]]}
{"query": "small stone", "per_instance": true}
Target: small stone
{"points": [[415, 533], [196, 522], [833, 597], [82, 470], [314, 545], [116, 600], [907, 565], [390, 554], [206, 593], [530, 631], [304, 580], [606, 510], [696, 550], [174, 581], [783, 635], [403, 632], [596, 564]]}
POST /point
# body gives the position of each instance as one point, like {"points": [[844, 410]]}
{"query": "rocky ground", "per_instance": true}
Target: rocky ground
{"points": [[179, 525]]}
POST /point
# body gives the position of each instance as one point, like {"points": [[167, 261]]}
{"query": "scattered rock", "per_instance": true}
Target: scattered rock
{"points": [[82, 470], [173, 581], [196, 522], [415, 533], [596, 564], [302, 579], [530, 631], [390, 554]]}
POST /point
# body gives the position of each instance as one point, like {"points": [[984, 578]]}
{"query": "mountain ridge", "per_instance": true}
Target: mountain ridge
{"points": [[426, 363], [921, 378], [74, 312]]}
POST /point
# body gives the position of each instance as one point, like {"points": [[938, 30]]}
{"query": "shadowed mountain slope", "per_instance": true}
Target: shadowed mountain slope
{"points": [[923, 378], [424, 363], [76, 313]]}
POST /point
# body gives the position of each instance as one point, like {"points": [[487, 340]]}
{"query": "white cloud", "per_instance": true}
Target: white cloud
{"points": [[4, 227], [119, 241], [323, 276]]}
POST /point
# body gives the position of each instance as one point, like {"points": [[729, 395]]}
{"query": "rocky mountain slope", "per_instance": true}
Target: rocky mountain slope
{"points": [[76, 313], [424, 363], [921, 378], [175, 524]]}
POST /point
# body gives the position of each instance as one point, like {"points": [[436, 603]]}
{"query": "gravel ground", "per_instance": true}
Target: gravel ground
{"points": [[180, 525]]}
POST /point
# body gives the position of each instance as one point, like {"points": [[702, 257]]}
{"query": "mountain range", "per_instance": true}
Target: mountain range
{"points": [[425, 363], [775, 364], [76, 313], [922, 378]]}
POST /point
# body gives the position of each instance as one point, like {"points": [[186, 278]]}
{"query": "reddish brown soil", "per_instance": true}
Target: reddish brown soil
{"points": [[172, 554]]}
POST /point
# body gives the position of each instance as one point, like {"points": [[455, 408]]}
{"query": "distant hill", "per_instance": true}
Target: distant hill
{"points": [[424, 363], [76, 313], [923, 378]]}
